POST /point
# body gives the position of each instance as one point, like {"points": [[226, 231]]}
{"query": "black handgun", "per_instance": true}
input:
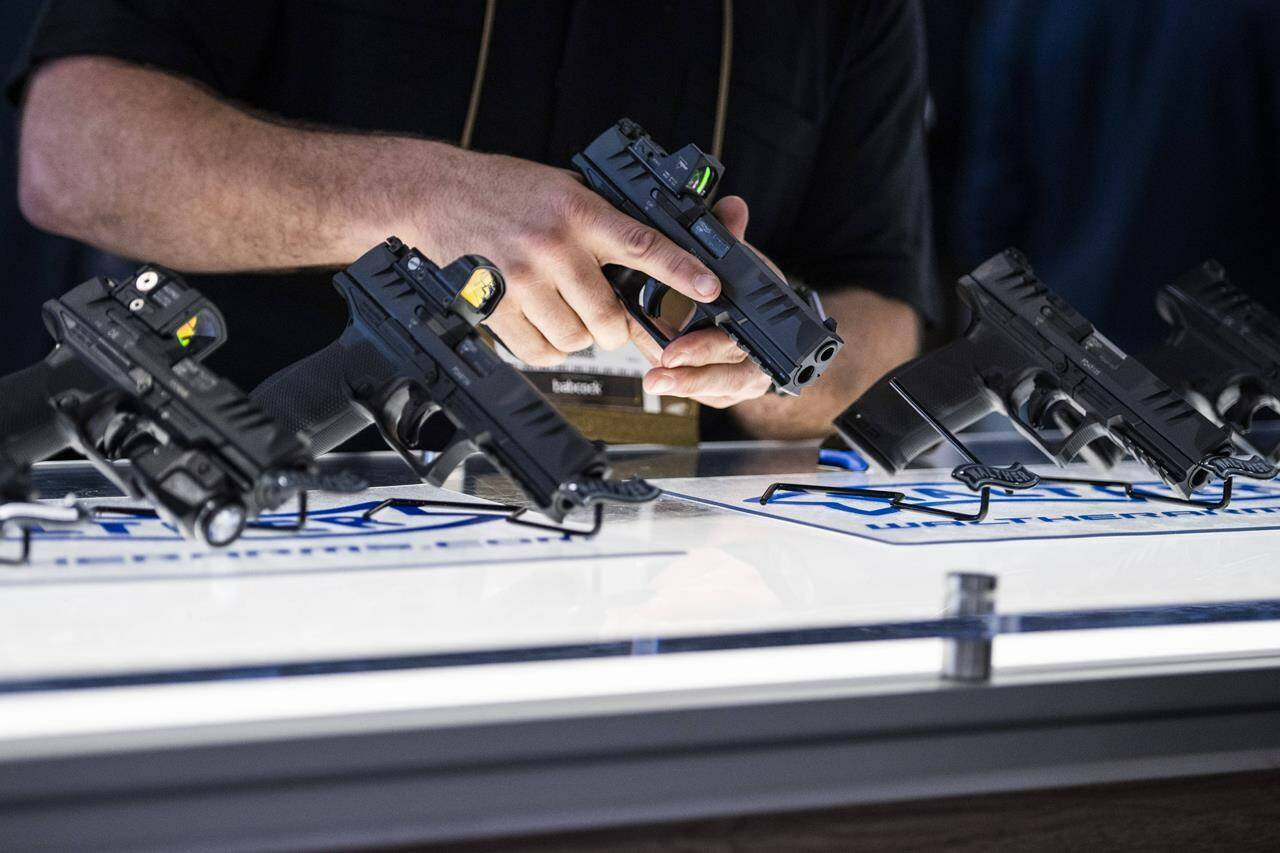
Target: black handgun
{"points": [[1222, 354], [785, 335], [124, 382], [1030, 355], [410, 350]]}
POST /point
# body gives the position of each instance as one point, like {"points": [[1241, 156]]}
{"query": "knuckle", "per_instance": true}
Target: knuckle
{"points": [[682, 265], [519, 272], [607, 317], [543, 356], [614, 334], [708, 351], [567, 341], [500, 319], [730, 353], [639, 241], [697, 381], [577, 205], [547, 240]]}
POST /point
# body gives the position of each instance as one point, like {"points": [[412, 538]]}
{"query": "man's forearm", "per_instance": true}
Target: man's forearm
{"points": [[149, 165], [879, 334]]}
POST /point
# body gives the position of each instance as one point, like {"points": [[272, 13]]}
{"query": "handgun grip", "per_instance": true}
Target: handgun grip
{"points": [[311, 396], [28, 423], [883, 426]]}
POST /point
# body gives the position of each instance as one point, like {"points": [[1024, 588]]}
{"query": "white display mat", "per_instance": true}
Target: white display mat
{"points": [[1050, 511], [127, 595]]}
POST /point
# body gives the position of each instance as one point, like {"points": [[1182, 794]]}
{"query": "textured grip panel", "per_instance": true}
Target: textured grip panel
{"points": [[884, 427], [311, 396], [28, 430]]}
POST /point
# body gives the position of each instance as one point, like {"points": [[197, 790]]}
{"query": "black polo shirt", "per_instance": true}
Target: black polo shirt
{"points": [[824, 132]]}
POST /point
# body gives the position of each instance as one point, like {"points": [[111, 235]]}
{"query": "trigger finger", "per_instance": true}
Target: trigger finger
{"points": [[584, 288], [523, 340]]}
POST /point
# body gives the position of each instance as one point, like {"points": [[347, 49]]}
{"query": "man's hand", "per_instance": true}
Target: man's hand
{"points": [[709, 367], [148, 165], [706, 365], [550, 236]]}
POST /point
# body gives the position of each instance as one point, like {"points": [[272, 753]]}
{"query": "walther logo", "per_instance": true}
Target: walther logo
{"points": [[577, 388]]}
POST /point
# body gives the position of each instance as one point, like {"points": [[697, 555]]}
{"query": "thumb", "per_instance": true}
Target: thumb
{"points": [[732, 212]]}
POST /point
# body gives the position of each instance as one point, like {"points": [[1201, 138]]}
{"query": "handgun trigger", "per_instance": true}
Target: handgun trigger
{"points": [[652, 292], [1240, 414], [1090, 430], [454, 454]]}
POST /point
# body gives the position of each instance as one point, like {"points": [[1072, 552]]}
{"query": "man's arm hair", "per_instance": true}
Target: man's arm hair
{"points": [[150, 165]]}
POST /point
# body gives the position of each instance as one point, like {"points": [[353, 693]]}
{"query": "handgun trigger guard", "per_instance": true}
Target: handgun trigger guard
{"points": [[1242, 411], [1062, 452], [1239, 415], [388, 427], [652, 328], [636, 301], [72, 425]]}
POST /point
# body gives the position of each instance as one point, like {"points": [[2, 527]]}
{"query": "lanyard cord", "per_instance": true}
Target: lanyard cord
{"points": [[722, 88], [477, 84], [722, 91]]}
